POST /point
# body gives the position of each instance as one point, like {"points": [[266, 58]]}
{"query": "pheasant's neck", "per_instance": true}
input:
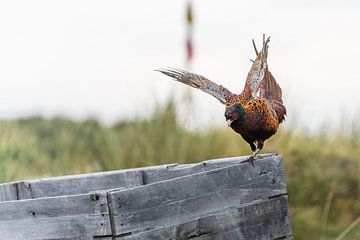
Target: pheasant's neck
{"points": [[236, 125]]}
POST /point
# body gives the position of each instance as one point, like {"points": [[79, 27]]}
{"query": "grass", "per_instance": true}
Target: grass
{"points": [[322, 169]]}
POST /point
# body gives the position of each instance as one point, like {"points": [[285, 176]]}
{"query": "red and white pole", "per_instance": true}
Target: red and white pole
{"points": [[189, 35]]}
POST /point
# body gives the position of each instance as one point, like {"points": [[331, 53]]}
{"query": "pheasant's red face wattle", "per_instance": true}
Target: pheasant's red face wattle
{"points": [[234, 116]]}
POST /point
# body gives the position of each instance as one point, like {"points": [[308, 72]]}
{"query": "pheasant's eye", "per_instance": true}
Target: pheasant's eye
{"points": [[234, 116]]}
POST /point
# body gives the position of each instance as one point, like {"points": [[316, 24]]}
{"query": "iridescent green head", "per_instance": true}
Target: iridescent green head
{"points": [[234, 114]]}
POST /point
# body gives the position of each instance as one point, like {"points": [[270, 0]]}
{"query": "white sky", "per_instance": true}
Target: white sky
{"points": [[81, 58]]}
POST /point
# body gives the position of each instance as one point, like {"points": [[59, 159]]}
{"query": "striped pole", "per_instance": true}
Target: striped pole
{"points": [[189, 34], [189, 48]]}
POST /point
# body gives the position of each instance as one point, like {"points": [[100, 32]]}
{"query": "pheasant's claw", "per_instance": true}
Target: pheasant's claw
{"points": [[251, 160]]}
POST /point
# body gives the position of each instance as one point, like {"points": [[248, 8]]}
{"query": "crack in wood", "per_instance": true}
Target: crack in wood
{"points": [[278, 195]]}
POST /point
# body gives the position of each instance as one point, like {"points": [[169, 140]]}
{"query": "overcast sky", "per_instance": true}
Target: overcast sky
{"points": [[81, 58]]}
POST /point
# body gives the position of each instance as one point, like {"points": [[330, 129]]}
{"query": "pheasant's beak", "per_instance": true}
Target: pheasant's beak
{"points": [[229, 121]]}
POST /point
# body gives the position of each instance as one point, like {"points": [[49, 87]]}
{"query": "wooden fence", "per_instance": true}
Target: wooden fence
{"points": [[216, 199]]}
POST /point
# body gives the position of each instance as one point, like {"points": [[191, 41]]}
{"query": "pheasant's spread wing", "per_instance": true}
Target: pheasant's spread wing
{"points": [[257, 71], [200, 82], [271, 91]]}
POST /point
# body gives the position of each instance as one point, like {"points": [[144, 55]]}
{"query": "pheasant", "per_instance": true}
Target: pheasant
{"points": [[257, 111]]}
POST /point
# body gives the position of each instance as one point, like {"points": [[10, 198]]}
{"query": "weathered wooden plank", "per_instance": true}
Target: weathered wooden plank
{"points": [[193, 196], [178, 170], [268, 219], [70, 185], [49, 228], [191, 201], [84, 183], [80, 184], [74, 217]]}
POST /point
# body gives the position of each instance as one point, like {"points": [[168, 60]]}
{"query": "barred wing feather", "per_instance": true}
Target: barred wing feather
{"points": [[198, 81]]}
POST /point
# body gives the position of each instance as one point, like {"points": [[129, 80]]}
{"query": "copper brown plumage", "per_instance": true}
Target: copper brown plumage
{"points": [[257, 111]]}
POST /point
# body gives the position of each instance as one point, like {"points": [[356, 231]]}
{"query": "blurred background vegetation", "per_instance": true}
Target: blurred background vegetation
{"points": [[322, 168]]}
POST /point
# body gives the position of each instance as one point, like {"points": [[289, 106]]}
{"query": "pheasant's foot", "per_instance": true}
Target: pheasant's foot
{"points": [[251, 160]]}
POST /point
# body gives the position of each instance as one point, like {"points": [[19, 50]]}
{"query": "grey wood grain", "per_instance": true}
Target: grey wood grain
{"points": [[192, 196], [84, 183], [215, 199], [8, 192], [77, 217], [70, 185], [178, 170], [268, 219]]}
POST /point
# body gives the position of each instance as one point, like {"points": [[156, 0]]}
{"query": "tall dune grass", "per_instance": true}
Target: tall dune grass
{"points": [[322, 169]]}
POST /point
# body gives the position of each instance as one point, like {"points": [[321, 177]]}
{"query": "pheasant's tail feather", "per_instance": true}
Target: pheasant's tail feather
{"points": [[257, 71], [198, 81], [271, 91], [269, 88]]}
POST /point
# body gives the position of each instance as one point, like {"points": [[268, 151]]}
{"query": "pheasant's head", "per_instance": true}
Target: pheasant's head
{"points": [[234, 114]]}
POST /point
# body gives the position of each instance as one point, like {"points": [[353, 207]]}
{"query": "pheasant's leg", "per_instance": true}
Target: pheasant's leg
{"points": [[252, 157], [253, 146], [260, 145]]}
